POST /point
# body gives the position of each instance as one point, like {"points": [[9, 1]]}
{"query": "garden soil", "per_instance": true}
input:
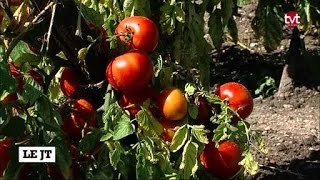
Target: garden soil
{"points": [[289, 124]]}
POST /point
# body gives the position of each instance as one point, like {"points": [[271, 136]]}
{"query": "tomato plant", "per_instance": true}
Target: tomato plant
{"points": [[72, 70], [5, 145], [138, 32]]}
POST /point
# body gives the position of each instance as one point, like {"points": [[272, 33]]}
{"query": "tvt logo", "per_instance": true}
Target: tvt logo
{"points": [[292, 19]]}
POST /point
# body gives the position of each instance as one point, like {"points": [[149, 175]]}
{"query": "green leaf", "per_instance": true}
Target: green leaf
{"points": [[18, 51], [268, 24], [28, 58], [249, 164], [190, 89], [199, 132], [32, 90], [179, 14], [179, 138], [123, 128], [47, 115], [89, 141], [128, 7], [226, 11], [233, 30], [193, 111], [167, 18], [216, 29], [7, 83], [220, 133], [115, 155], [143, 168], [92, 15], [63, 157], [148, 122], [15, 127], [82, 53], [189, 163]]}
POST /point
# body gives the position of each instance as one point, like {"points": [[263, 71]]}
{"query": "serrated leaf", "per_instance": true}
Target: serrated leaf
{"points": [[167, 18], [123, 128], [115, 155], [220, 133], [199, 132], [190, 89], [89, 141], [249, 164], [216, 29], [193, 110], [15, 127], [148, 122], [143, 168], [179, 138], [189, 162]]}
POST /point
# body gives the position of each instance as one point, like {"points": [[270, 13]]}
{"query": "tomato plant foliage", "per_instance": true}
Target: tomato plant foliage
{"points": [[62, 51]]}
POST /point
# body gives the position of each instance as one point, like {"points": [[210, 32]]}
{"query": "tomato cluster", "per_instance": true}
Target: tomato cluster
{"points": [[131, 74]]}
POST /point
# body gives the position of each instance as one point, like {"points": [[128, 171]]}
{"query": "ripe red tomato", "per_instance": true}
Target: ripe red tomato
{"points": [[15, 2], [1, 14], [223, 161], [238, 97], [172, 103], [74, 124], [84, 107], [130, 72], [203, 110], [143, 33], [69, 82], [5, 145], [168, 129], [132, 102]]}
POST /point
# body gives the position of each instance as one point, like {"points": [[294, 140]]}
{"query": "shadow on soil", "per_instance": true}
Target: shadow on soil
{"points": [[251, 68], [308, 169]]}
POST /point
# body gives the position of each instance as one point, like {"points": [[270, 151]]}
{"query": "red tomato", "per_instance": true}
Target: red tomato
{"points": [[221, 162], [132, 102], [5, 145], [84, 107], [238, 97], [203, 110], [75, 123], [1, 15], [130, 72], [173, 104], [15, 2], [143, 33], [69, 82]]}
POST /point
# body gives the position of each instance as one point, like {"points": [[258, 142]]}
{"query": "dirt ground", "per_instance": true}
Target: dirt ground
{"points": [[290, 126]]}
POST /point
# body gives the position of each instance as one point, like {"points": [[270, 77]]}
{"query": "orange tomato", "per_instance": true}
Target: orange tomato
{"points": [[172, 104]]}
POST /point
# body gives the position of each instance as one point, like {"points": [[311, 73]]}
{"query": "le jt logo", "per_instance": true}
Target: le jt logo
{"points": [[292, 19]]}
